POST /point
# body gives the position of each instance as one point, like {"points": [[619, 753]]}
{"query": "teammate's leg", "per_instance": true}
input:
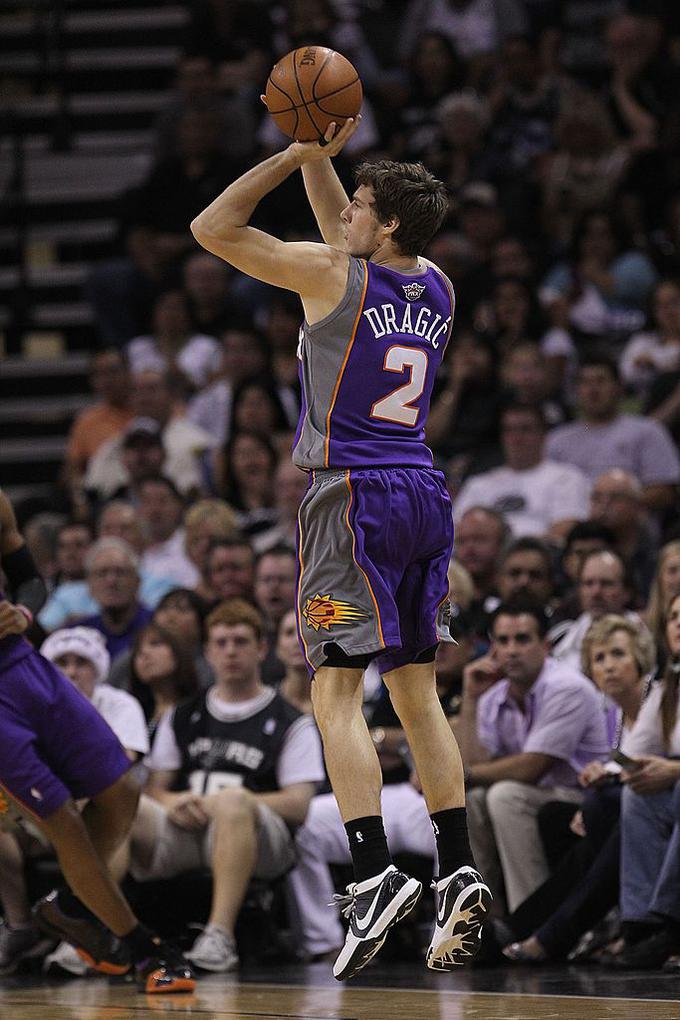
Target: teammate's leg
{"points": [[463, 897], [381, 896]]}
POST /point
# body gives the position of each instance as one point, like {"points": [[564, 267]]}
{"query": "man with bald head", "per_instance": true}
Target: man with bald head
{"points": [[616, 500], [480, 538], [603, 587]]}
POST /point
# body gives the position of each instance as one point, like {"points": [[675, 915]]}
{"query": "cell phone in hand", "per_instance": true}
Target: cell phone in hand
{"points": [[623, 760]]}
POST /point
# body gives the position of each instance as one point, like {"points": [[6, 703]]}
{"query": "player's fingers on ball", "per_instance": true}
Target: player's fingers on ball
{"points": [[263, 99]]}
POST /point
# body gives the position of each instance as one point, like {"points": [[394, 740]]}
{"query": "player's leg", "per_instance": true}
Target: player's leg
{"points": [[381, 895], [463, 897], [19, 937], [55, 748], [413, 692], [346, 614]]}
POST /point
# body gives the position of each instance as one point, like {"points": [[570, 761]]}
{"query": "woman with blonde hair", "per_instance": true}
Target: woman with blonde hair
{"points": [[618, 655]]}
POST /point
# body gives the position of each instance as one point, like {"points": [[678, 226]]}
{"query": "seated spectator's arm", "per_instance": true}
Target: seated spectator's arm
{"points": [[527, 767], [291, 803], [158, 786], [478, 677]]}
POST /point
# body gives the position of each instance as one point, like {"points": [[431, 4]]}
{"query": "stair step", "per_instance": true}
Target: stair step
{"points": [[50, 409], [37, 449]]}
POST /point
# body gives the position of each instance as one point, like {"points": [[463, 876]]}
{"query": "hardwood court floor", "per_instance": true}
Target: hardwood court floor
{"points": [[396, 994]]}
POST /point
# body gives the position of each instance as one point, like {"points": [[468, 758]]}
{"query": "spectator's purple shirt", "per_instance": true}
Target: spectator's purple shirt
{"points": [[117, 643], [564, 716]]}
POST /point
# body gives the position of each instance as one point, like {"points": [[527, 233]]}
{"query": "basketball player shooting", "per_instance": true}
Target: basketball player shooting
{"points": [[375, 527], [56, 748]]}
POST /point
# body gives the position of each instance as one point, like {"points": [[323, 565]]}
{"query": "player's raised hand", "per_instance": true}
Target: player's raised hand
{"points": [[12, 620]]}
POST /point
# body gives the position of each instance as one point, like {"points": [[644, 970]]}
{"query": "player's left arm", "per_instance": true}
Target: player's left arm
{"points": [[26, 586], [223, 227]]}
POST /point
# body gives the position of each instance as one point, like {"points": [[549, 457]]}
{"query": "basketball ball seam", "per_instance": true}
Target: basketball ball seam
{"points": [[302, 95], [286, 109], [327, 95], [299, 106]]}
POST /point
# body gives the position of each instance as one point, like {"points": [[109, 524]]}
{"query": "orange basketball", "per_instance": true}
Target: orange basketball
{"points": [[309, 88]]}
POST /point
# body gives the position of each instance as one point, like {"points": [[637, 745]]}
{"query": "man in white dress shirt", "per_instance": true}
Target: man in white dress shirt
{"points": [[536, 496]]}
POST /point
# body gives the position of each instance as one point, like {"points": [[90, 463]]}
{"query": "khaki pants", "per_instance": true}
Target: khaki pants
{"points": [[504, 836]]}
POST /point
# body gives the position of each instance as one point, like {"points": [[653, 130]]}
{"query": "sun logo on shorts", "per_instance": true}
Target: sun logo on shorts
{"points": [[4, 803], [325, 611]]}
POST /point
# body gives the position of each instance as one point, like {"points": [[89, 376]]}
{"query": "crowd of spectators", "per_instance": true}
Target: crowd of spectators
{"points": [[556, 421]]}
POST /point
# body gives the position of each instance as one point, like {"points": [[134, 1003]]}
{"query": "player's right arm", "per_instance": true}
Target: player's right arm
{"points": [[327, 198], [25, 583]]}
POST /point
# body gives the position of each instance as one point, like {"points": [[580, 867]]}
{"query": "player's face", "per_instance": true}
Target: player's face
{"points": [[80, 671], [361, 229], [234, 653], [519, 648], [613, 666], [288, 647]]}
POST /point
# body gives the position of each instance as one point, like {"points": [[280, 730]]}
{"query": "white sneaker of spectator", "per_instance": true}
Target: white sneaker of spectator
{"points": [[65, 959], [214, 949]]}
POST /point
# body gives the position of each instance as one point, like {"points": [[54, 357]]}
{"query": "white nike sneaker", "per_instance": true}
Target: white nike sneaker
{"points": [[463, 901], [373, 907]]}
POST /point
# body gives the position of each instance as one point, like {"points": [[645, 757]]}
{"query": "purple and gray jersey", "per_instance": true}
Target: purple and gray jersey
{"points": [[367, 370]]}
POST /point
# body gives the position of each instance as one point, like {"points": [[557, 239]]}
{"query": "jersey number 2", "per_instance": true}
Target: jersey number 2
{"points": [[397, 405]]}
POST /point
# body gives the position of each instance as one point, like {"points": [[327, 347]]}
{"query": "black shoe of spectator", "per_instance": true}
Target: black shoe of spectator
{"points": [[650, 954]]}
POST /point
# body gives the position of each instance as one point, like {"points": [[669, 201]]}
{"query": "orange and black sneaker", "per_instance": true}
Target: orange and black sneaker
{"points": [[165, 972], [94, 943]]}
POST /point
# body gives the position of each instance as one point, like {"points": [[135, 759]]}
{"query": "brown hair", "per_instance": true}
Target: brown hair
{"points": [[233, 612], [183, 677], [658, 605], [671, 681], [409, 193]]}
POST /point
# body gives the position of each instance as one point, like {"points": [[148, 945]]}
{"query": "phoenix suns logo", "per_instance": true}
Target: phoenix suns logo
{"points": [[325, 611], [4, 803]]}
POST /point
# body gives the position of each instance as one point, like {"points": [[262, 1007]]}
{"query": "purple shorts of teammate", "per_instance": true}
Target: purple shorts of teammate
{"points": [[53, 744], [373, 553]]}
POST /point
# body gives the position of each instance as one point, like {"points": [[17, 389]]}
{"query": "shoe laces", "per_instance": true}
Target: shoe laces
{"points": [[345, 902]]}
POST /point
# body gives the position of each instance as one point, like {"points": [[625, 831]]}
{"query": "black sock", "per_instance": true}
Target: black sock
{"points": [[453, 843], [141, 943], [72, 906], [368, 846]]}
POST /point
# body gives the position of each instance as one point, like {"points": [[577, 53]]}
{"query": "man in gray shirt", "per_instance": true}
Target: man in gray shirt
{"points": [[604, 438]]}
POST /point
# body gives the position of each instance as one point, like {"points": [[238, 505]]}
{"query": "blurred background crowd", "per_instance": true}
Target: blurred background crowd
{"points": [[556, 127]]}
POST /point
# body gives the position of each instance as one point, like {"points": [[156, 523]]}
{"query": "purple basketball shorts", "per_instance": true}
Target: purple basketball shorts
{"points": [[53, 744], [373, 553]]}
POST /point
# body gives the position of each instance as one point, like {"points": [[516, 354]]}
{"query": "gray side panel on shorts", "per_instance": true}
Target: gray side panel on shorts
{"points": [[334, 599], [322, 351]]}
